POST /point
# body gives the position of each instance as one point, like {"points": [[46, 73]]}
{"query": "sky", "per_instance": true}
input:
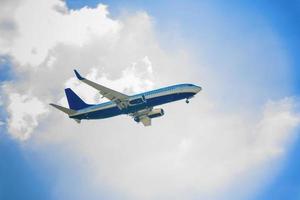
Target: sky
{"points": [[238, 139]]}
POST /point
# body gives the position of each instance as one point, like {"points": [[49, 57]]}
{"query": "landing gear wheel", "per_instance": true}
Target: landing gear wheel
{"points": [[187, 101]]}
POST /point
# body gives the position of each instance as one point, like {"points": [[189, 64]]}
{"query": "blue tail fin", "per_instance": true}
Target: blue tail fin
{"points": [[75, 103]]}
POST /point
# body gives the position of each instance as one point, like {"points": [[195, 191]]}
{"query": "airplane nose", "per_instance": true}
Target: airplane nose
{"points": [[198, 89]]}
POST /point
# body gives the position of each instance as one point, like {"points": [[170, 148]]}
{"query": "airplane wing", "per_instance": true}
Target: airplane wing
{"points": [[119, 98]]}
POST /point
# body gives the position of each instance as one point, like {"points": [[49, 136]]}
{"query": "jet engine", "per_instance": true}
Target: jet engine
{"points": [[157, 112]]}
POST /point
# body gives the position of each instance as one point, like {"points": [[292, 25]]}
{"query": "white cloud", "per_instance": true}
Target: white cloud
{"points": [[24, 113], [8, 27], [196, 150], [37, 37], [277, 123]]}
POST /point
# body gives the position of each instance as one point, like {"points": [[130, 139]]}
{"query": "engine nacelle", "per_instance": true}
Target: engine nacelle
{"points": [[158, 112]]}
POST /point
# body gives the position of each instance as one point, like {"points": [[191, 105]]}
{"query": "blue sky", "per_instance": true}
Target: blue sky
{"points": [[20, 177], [33, 180]]}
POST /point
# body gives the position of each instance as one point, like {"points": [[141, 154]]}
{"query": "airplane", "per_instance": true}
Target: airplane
{"points": [[139, 106]]}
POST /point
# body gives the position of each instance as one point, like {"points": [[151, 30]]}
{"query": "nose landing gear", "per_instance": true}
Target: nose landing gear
{"points": [[187, 100]]}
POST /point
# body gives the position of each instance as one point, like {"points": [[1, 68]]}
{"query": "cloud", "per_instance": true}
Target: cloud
{"points": [[37, 37], [196, 150], [8, 27], [24, 111]]}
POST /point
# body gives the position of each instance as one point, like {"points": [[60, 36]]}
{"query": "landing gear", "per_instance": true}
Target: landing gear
{"points": [[137, 119], [187, 100]]}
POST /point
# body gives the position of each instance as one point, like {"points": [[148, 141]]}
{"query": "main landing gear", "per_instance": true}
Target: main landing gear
{"points": [[187, 101]]}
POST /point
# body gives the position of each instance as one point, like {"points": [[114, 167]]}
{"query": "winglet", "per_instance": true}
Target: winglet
{"points": [[78, 75]]}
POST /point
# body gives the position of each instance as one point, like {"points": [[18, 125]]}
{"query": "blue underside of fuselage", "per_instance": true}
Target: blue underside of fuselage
{"points": [[114, 111]]}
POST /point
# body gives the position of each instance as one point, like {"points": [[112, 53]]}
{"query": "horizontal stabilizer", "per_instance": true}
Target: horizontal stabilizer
{"points": [[63, 109]]}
